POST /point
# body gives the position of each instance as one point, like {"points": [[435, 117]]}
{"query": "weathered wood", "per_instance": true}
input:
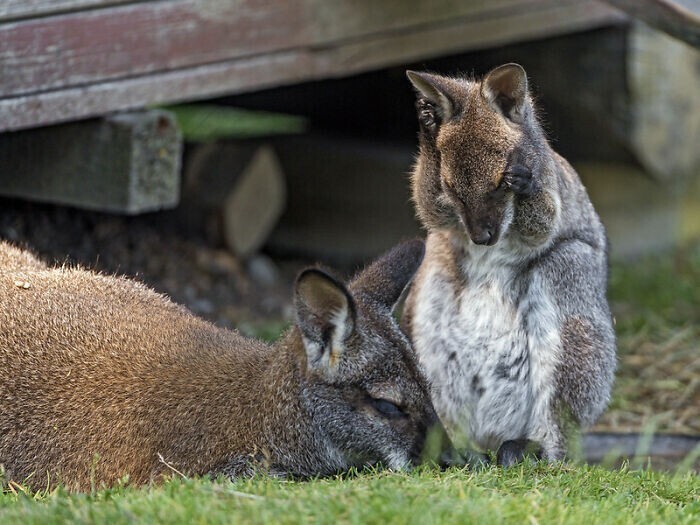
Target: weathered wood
{"points": [[679, 18], [13, 9], [84, 47], [126, 163], [235, 191], [254, 205], [175, 86], [527, 20], [320, 60], [641, 215], [663, 76]]}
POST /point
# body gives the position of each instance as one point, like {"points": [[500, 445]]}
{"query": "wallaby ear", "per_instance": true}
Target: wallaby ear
{"points": [[325, 315], [384, 280], [505, 89], [435, 89]]}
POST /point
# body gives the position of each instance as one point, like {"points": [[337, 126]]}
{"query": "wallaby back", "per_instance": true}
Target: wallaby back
{"points": [[104, 378]]}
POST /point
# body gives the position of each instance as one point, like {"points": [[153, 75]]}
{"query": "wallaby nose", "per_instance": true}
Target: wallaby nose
{"points": [[483, 237], [430, 439]]}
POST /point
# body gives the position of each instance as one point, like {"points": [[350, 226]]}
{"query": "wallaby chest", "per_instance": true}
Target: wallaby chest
{"points": [[474, 341]]}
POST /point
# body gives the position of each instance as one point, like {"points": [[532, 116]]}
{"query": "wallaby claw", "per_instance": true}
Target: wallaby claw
{"points": [[427, 114], [519, 180]]}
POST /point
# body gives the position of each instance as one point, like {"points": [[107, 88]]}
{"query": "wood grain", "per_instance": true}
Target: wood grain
{"points": [[678, 18], [88, 63], [13, 9], [85, 47], [127, 163]]}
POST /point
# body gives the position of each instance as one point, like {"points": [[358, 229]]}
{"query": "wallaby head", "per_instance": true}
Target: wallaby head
{"points": [[479, 140], [362, 383]]}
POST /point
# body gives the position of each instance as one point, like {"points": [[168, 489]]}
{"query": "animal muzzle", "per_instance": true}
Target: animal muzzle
{"points": [[483, 235], [482, 230], [430, 441]]}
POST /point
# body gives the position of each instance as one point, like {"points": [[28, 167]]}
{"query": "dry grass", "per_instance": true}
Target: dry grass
{"points": [[657, 307]]}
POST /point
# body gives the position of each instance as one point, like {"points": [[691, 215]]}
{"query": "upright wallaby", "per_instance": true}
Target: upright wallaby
{"points": [[508, 311], [100, 377]]}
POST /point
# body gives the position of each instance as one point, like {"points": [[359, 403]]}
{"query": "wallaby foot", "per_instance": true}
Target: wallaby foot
{"points": [[468, 458], [514, 451]]}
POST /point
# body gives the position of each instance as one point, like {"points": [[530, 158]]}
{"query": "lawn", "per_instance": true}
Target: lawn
{"points": [[657, 308], [530, 493]]}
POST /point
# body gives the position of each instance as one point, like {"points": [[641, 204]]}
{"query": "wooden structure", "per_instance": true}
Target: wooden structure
{"points": [[63, 60], [68, 60]]}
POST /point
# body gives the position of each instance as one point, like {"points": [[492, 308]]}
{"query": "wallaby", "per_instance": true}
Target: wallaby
{"points": [[104, 378], [508, 311]]}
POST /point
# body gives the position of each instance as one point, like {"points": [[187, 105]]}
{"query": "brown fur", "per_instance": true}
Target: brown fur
{"points": [[100, 375]]}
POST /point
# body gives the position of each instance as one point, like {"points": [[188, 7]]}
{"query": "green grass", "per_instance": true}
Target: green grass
{"points": [[530, 493]]}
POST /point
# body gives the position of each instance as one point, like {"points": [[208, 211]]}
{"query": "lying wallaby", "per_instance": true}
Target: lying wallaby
{"points": [[508, 311], [102, 378]]}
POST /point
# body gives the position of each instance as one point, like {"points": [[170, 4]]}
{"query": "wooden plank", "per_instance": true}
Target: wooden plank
{"points": [[175, 86], [85, 47], [13, 9], [536, 21], [127, 163], [354, 19], [679, 18], [235, 191], [303, 63]]}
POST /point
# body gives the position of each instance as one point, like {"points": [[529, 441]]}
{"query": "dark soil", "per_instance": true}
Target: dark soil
{"points": [[162, 251]]}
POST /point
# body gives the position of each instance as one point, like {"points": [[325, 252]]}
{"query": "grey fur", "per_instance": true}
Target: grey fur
{"points": [[508, 312]]}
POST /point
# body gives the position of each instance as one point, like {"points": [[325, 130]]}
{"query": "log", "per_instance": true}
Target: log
{"points": [[236, 191], [128, 163]]}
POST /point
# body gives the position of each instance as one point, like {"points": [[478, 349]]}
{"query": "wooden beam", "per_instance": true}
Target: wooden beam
{"points": [[128, 163], [663, 85], [95, 46], [14, 9], [408, 42], [678, 18], [84, 47]]}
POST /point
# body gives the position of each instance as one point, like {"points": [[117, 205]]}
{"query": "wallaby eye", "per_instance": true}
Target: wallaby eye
{"points": [[386, 408]]}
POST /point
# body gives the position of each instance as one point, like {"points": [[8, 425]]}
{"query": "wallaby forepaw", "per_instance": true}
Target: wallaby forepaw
{"points": [[514, 451], [519, 180], [427, 114]]}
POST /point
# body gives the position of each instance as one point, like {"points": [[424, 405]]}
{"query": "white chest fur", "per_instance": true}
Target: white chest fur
{"points": [[489, 344]]}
